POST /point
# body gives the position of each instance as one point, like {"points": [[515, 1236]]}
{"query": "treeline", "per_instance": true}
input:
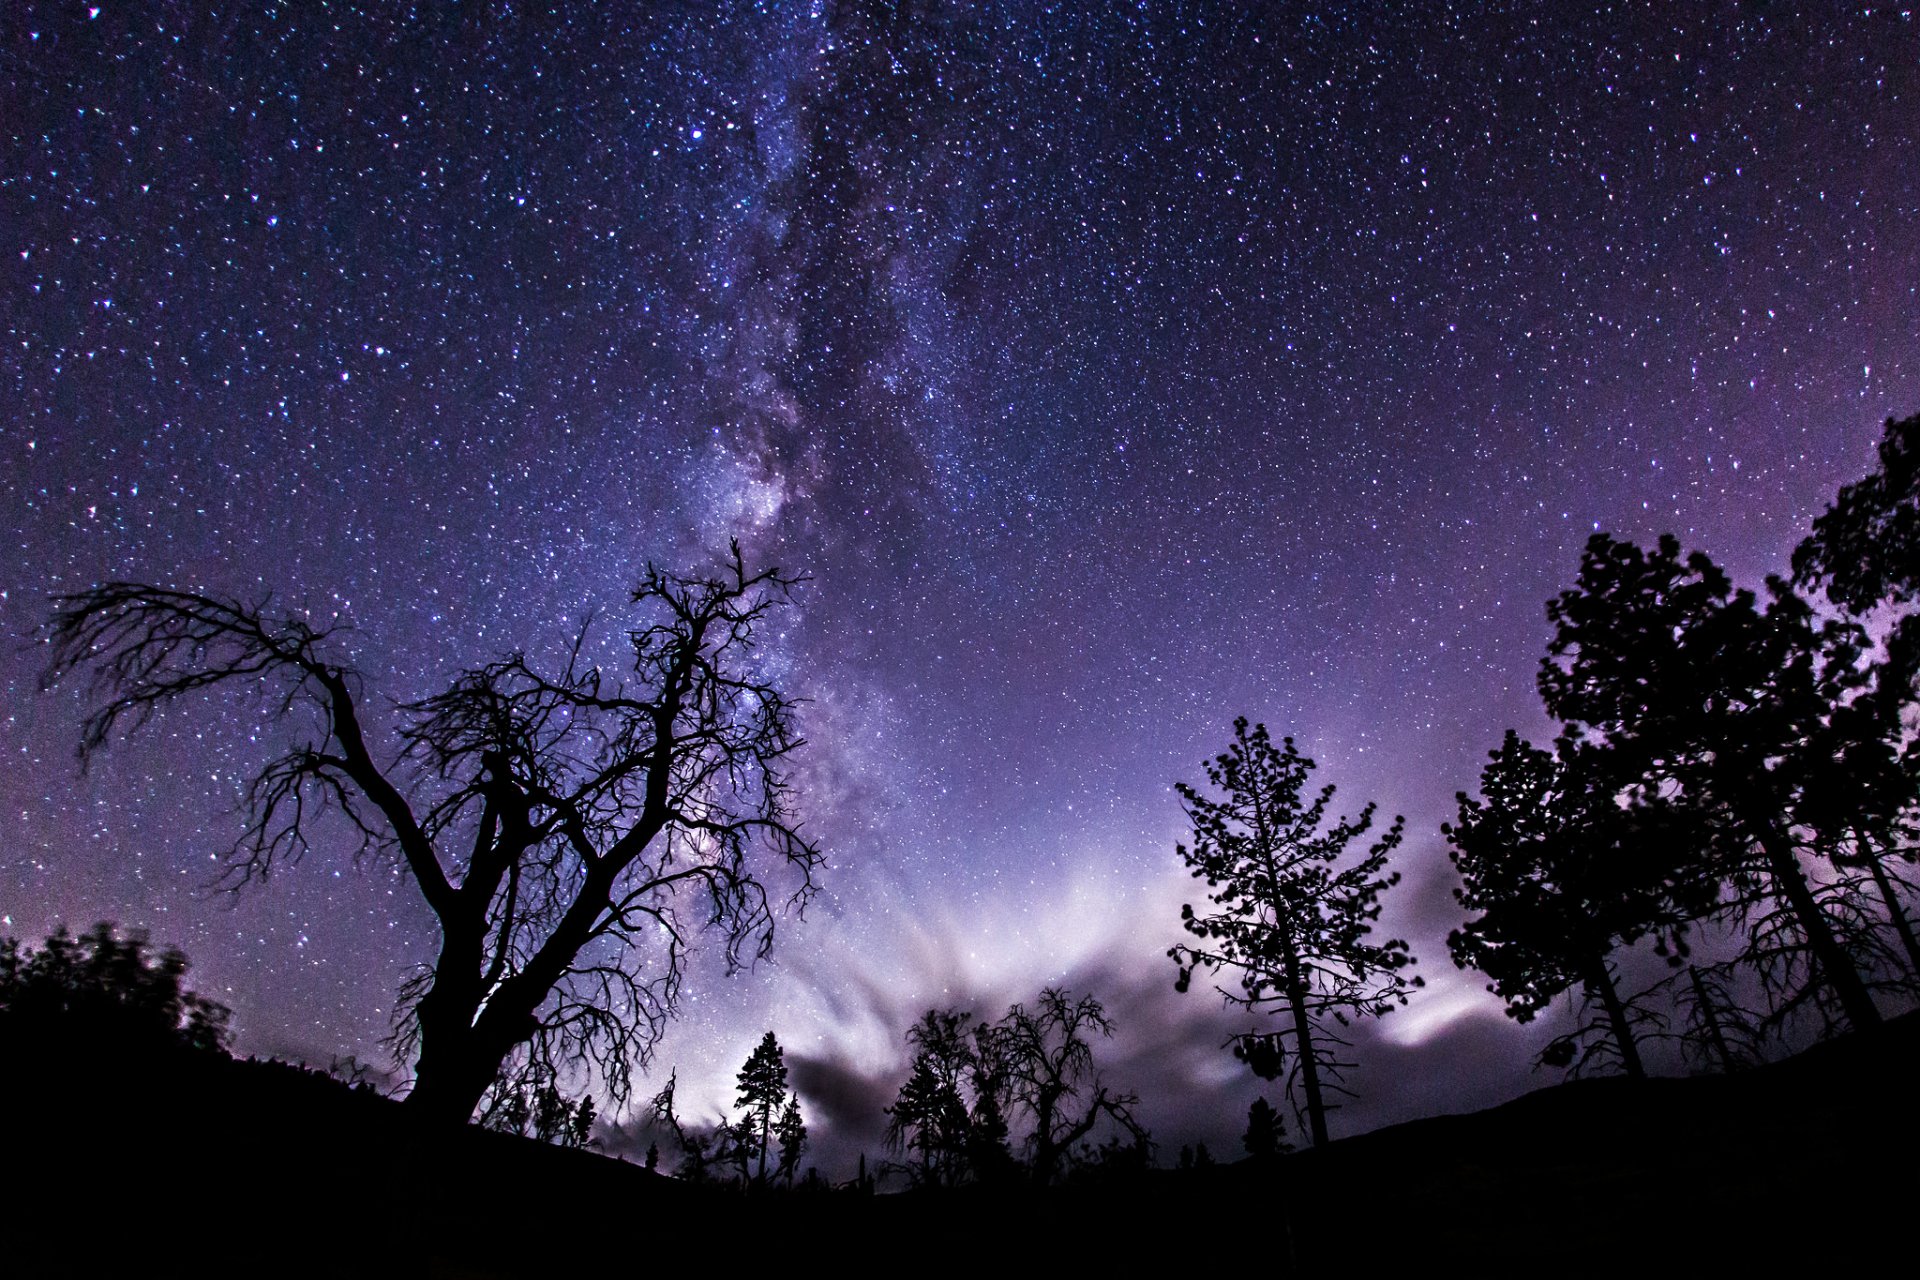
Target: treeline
{"points": [[1732, 785], [1730, 761], [1015, 1101]]}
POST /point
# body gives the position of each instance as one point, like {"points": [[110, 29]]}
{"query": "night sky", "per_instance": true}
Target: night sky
{"points": [[1112, 370]]}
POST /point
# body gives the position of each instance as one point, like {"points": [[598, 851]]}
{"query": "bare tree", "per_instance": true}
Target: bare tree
{"points": [[1043, 1057], [569, 832]]}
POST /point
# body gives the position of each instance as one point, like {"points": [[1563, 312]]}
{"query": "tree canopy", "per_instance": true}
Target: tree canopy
{"points": [[1560, 872], [104, 987], [1864, 550], [1698, 694], [973, 1089]]}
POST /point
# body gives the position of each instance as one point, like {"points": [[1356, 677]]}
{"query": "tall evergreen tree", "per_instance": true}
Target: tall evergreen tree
{"points": [[1696, 692], [1560, 873], [1864, 556], [763, 1092], [929, 1117], [790, 1131], [1292, 922]]}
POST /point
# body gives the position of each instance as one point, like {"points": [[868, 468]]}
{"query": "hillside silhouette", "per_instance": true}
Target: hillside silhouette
{"points": [[160, 1159]]}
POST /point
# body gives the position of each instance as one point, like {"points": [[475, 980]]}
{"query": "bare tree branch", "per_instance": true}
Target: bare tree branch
{"points": [[572, 832]]}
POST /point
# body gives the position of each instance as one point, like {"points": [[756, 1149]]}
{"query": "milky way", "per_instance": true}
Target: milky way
{"points": [[1111, 371]]}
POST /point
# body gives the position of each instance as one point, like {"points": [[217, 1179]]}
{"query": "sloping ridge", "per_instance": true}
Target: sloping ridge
{"points": [[187, 1163]]}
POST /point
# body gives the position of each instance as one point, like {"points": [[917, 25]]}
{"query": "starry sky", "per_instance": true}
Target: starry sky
{"points": [[1112, 370]]}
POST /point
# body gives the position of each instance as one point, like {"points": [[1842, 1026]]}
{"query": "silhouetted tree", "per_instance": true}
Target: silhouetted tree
{"points": [[1718, 1031], [929, 1117], [790, 1131], [1697, 694], [973, 1085], [1864, 852], [101, 989], [534, 1107], [1265, 1137], [989, 1153], [933, 1114], [763, 1092], [737, 1142], [558, 826], [552, 1115], [1560, 873], [700, 1150], [1292, 923], [1864, 555], [1044, 1055], [1864, 551]]}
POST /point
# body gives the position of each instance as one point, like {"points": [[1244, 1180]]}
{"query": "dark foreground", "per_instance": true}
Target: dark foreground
{"points": [[199, 1165]]}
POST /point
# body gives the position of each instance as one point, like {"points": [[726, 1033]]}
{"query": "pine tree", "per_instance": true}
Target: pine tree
{"points": [[791, 1132], [1693, 690], [930, 1117], [1265, 1137], [1560, 873], [1292, 923], [763, 1090], [1864, 556]]}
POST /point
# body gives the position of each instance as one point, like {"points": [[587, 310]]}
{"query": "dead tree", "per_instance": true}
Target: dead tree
{"points": [[1043, 1057], [571, 833]]}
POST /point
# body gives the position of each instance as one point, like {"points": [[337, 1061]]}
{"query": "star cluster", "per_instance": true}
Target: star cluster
{"points": [[1111, 370]]}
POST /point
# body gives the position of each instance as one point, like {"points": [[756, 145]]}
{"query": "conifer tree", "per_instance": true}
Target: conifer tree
{"points": [[1694, 691], [1265, 1137], [790, 1130], [763, 1091], [1560, 873], [1291, 921]]}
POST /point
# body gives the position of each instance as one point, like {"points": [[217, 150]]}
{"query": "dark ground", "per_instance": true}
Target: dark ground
{"points": [[203, 1165]]}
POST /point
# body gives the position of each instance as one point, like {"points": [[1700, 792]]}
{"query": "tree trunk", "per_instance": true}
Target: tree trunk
{"points": [[1827, 955], [456, 1064], [1045, 1153], [1894, 912], [1712, 1015], [447, 1087], [1303, 1045], [462, 1043], [1600, 983], [766, 1125]]}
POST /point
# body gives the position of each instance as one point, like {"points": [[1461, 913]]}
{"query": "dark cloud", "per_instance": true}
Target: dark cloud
{"points": [[850, 1106]]}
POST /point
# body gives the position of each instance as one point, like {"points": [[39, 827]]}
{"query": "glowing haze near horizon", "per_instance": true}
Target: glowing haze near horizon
{"points": [[1113, 371]]}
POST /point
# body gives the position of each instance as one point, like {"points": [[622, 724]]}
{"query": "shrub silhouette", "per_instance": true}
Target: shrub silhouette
{"points": [[102, 987]]}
